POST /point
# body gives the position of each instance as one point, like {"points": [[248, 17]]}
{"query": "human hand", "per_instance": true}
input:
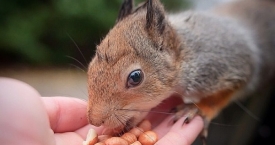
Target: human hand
{"points": [[178, 133], [28, 118]]}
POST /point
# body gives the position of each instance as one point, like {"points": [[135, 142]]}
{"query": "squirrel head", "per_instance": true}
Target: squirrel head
{"points": [[134, 68]]}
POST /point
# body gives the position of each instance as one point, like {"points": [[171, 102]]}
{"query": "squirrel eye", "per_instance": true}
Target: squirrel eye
{"points": [[134, 78]]}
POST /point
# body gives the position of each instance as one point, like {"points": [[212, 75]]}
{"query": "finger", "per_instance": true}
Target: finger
{"points": [[84, 130], [182, 133], [68, 138], [165, 106], [74, 138], [164, 127], [65, 114], [23, 116], [77, 137]]}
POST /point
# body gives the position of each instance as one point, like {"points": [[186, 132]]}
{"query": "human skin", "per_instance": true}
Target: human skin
{"points": [[27, 118]]}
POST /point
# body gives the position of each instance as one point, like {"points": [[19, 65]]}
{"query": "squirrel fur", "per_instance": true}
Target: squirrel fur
{"points": [[209, 58]]}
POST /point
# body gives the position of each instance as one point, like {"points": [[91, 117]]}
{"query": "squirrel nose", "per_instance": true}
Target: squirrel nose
{"points": [[96, 123], [96, 120]]}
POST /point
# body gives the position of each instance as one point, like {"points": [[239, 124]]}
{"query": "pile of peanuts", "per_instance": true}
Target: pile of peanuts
{"points": [[140, 135]]}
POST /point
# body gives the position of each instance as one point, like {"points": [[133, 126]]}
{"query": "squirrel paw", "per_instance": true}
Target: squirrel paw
{"points": [[190, 111], [187, 110]]}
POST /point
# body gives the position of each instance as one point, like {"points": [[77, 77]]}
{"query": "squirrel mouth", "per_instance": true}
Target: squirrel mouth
{"points": [[160, 112], [156, 115], [128, 125], [120, 130], [124, 128]]}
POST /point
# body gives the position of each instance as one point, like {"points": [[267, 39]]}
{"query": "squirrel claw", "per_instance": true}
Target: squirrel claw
{"points": [[204, 132], [203, 139], [190, 111], [187, 110]]}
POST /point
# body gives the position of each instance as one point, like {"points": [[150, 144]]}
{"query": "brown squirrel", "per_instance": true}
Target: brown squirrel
{"points": [[207, 58]]}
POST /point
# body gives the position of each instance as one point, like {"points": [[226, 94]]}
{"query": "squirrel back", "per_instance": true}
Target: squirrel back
{"points": [[259, 17], [227, 47]]}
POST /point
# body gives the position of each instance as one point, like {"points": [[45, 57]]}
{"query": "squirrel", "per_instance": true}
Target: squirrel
{"points": [[207, 58]]}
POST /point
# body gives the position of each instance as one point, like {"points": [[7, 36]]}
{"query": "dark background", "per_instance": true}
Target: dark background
{"points": [[265, 133]]}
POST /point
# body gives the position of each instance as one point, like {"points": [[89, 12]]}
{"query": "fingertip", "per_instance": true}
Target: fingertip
{"points": [[198, 120], [22, 108], [10, 86], [182, 133], [189, 130], [66, 113], [164, 126]]}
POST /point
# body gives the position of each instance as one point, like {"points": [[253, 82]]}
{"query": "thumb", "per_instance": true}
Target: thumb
{"points": [[182, 133]]}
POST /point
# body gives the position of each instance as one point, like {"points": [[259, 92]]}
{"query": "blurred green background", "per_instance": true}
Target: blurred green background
{"points": [[50, 32]]}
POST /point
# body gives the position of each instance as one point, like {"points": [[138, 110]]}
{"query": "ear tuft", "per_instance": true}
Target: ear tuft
{"points": [[155, 16], [125, 10]]}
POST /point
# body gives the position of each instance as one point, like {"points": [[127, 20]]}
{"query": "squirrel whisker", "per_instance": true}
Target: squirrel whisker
{"points": [[82, 69], [78, 50], [150, 111], [251, 114]]}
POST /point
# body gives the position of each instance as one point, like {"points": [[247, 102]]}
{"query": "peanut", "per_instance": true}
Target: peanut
{"points": [[103, 138], [100, 143], [140, 135], [116, 141], [148, 138], [91, 138], [129, 137], [145, 125], [137, 131], [136, 143]]}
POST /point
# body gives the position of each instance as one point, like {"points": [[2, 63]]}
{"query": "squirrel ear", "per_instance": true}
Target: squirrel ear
{"points": [[125, 10], [155, 16]]}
